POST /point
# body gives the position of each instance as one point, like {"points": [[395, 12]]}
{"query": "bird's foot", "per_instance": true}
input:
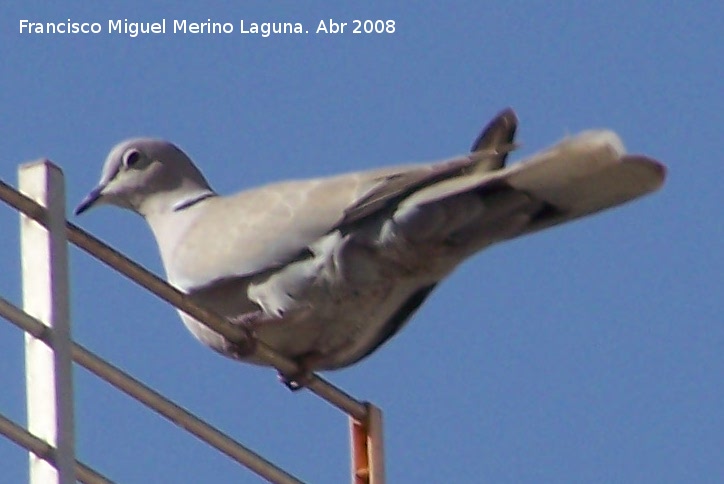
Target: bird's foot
{"points": [[300, 378], [295, 382]]}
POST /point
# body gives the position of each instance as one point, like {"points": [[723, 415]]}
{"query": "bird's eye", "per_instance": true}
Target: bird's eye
{"points": [[131, 157]]}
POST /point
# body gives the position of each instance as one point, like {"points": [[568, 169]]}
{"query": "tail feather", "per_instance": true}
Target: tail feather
{"points": [[628, 178], [579, 176], [563, 165]]}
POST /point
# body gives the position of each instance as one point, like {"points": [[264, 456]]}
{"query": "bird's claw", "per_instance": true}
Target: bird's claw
{"points": [[297, 381], [303, 375]]}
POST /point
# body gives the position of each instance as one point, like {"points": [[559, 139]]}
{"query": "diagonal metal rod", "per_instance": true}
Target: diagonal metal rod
{"points": [[45, 451], [173, 296], [151, 399]]}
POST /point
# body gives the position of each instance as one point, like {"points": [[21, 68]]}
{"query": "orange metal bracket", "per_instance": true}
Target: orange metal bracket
{"points": [[366, 442]]}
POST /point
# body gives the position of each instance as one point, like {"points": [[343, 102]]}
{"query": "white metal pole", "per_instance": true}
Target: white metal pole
{"points": [[48, 371]]}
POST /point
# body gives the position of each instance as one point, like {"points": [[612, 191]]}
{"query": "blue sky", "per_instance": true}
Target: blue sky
{"points": [[588, 353]]}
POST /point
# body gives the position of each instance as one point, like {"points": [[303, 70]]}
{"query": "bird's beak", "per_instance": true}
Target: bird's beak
{"points": [[90, 199]]}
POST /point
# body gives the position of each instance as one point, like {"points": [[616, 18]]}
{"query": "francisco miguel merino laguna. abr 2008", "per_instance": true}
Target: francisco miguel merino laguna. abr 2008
{"points": [[183, 26]]}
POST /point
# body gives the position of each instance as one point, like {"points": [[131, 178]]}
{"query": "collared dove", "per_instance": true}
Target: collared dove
{"points": [[325, 271]]}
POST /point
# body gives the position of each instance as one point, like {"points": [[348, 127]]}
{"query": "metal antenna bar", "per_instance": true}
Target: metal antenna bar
{"points": [[45, 451]]}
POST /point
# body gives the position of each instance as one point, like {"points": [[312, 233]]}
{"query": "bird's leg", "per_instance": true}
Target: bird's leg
{"points": [[300, 378], [243, 349], [246, 347]]}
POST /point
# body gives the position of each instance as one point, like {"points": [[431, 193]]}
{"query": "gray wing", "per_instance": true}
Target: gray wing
{"points": [[265, 228]]}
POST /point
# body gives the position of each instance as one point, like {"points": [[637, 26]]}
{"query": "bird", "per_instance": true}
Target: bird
{"points": [[326, 270]]}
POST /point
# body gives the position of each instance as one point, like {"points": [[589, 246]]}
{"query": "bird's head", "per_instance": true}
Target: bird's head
{"points": [[144, 174]]}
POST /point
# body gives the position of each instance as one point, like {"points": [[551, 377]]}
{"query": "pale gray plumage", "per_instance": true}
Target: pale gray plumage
{"points": [[326, 270]]}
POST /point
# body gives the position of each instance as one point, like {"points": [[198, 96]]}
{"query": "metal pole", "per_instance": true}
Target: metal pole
{"points": [[375, 445], [368, 464], [48, 371]]}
